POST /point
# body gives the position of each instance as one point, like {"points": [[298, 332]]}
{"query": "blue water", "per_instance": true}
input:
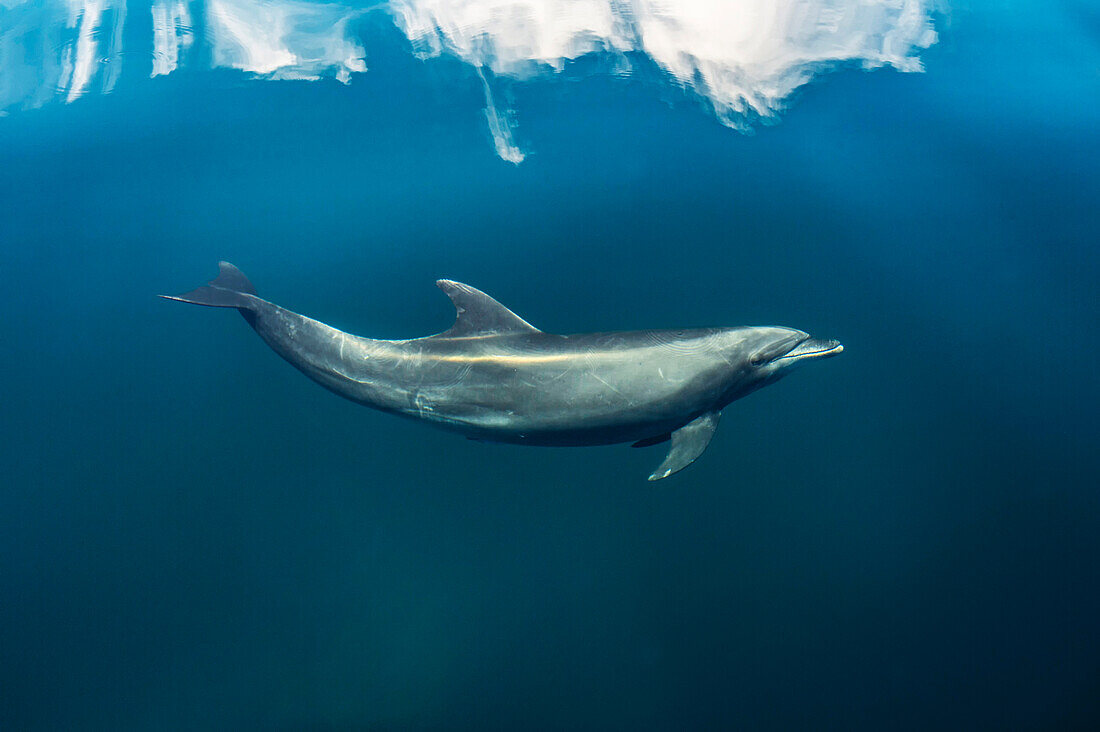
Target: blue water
{"points": [[194, 536]]}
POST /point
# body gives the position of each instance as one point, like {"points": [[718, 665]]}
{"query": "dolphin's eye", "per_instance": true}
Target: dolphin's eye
{"points": [[757, 360]]}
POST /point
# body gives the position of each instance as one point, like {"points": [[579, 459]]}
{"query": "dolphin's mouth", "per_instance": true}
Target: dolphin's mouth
{"points": [[811, 348]]}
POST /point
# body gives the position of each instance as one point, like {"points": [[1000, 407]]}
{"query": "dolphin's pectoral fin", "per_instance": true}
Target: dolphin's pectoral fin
{"points": [[688, 443], [651, 441], [478, 314]]}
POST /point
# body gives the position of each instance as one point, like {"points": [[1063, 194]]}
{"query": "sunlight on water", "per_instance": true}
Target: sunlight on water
{"points": [[743, 57]]}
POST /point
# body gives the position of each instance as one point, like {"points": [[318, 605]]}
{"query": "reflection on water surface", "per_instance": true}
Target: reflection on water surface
{"points": [[744, 57]]}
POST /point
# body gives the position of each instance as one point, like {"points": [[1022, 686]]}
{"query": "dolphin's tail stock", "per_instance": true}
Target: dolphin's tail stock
{"points": [[230, 289]]}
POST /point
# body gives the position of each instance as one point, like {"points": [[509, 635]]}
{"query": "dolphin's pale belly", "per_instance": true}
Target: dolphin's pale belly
{"points": [[548, 389]]}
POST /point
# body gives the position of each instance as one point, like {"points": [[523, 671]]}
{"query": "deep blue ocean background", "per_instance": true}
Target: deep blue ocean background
{"points": [[194, 536]]}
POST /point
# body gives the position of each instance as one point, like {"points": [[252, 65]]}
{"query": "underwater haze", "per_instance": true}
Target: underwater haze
{"points": [[195, 536]]}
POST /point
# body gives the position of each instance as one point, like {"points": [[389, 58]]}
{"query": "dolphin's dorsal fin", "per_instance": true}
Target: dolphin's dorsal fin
{"points": [[688, 443], [479, 314]]}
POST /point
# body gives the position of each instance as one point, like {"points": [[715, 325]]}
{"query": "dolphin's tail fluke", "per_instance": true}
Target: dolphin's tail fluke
{"points": [[230, 289]]}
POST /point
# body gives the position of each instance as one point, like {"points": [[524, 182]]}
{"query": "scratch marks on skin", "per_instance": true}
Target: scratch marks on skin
{"points": [[342, 339], [351, 355], [604, 382], [423, 405], [627, 399], [673, 379]]}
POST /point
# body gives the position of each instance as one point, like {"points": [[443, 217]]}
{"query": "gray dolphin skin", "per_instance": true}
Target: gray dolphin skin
{"points": [[492, 376]]}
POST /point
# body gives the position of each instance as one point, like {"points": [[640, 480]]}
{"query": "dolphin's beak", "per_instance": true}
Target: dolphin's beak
{"points": [[772, 352], [809, 349]]}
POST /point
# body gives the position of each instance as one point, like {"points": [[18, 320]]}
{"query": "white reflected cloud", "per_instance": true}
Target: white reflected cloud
{"points": [[513, 37], [65, 48], [747, 56], [172, 34], [289, 39], [743, 57], [82, 61], [58, 49], [500, 125]]}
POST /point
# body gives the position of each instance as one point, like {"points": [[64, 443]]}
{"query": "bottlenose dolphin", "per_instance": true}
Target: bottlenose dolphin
{"points": [[493, 376]]}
